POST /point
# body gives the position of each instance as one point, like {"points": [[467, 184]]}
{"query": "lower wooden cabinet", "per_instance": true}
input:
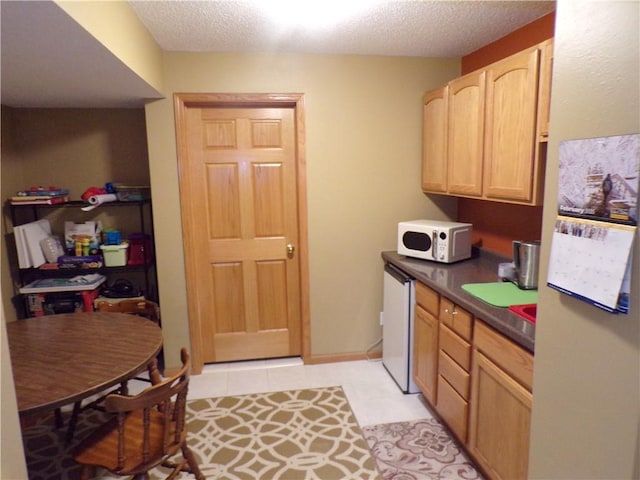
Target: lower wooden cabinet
{"points": [[501, 398], [477, 380], [425, 355]]}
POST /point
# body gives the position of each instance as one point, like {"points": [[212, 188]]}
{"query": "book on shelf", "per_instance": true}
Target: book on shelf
{"points": [[39, 200], [40, 191]]}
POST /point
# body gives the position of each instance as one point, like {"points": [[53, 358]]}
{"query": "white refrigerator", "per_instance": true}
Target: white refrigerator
{"points": [[397, 327]]}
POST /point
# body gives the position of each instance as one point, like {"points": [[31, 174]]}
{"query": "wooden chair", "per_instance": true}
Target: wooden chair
{"points": [[143, 308], [146, 431]]}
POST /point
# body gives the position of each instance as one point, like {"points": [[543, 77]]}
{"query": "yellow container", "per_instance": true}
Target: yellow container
{"points": [[115, 255]]}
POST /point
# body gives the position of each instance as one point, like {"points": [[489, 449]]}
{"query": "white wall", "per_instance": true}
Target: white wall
{"points": [[586, 397]]}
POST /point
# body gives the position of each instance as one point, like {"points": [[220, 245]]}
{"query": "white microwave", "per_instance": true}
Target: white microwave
{"points": [[445, 242]]}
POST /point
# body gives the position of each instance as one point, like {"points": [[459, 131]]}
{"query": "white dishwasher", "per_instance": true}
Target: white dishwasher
{"points": [[397, 327]]}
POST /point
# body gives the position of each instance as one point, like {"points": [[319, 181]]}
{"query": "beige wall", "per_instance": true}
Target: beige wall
{"points": [[78, 148], [12, 179], [586, 400], [12, 463], [363, 132], [117, 27]]}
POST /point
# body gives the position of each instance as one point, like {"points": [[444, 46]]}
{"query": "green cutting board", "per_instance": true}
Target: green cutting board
{"points": [[501, 294]]}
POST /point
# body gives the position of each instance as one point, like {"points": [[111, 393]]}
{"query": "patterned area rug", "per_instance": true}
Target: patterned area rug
{"points": [[303, 434], [418, 450]]}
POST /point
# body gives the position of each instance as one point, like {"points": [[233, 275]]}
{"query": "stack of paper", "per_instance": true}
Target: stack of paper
{"points": [[28, 237]]}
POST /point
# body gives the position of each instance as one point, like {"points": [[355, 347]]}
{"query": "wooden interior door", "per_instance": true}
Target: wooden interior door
{"points": [[240, 225]]}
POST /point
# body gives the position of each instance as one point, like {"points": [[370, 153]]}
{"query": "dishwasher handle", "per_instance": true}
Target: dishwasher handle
{"points": [[398, 274]]}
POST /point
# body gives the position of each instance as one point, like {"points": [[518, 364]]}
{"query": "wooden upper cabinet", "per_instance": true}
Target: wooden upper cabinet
{"points": [[434, 138], [510, 135], [493, 143], [465, 134]]}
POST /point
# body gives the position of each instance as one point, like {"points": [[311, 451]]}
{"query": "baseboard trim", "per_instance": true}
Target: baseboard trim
{"points": [[340, 357]]}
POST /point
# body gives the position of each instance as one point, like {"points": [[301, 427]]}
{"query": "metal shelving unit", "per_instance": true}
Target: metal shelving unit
{"points": [[21, 214]]}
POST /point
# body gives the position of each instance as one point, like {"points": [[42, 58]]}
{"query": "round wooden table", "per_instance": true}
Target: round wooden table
{"points": [[61, 359]]}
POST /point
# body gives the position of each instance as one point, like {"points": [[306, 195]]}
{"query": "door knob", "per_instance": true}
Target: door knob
{"points": [[290, 249]]}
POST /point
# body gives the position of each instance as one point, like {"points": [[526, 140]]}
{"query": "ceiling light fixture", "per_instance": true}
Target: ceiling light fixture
{"points": [[313, 14]]}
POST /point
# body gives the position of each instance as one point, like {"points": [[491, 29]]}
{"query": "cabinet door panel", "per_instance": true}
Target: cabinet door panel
{"points": [[510, 136], [500, 421], [425, 353], [465, 134], [427, 298], [434, 146]]}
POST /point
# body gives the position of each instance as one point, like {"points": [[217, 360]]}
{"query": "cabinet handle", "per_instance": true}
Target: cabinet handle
{"points": [[453, 312], [290, 250]]}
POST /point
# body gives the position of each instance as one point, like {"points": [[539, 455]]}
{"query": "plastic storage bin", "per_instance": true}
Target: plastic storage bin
{"points": [[133, 193], [39, 304], [115, 255], [140, 249]]}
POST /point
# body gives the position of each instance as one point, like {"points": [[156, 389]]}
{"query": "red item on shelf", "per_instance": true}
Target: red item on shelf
{"points": [[140, 249], [91, 191]]}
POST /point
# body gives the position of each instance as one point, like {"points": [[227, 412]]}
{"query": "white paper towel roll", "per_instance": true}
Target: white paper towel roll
{"points": [[97, 200]]}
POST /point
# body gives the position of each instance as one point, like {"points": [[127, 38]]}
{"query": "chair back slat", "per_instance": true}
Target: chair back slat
{"points": [[121, 438], [151, 425], [146, 439], [142, 307]]}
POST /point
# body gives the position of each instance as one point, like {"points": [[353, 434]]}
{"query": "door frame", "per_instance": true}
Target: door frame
{"points": [[183, 101]]}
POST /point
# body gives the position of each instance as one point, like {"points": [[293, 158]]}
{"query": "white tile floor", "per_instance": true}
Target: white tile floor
{"points": [[373, 395]]}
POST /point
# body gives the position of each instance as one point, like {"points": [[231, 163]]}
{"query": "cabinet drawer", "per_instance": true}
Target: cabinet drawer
{"points": [[427, 298], [456, 318], [459, 379], [453, 409], [512, 358], [457, 348]]}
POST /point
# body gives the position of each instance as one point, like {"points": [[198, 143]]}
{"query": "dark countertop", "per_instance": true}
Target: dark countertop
{"points": [[447, 279]]}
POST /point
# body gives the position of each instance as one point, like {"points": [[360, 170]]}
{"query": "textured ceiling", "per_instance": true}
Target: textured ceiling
{"points": [[444, 28], [48, 60]]}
